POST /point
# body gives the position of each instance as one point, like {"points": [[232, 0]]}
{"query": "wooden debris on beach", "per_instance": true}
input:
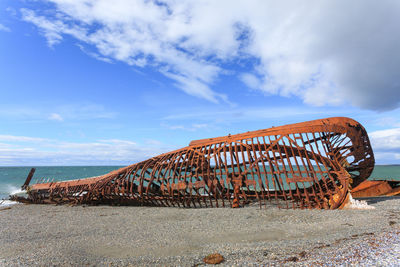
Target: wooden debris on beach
{"points": [[311, 164]]}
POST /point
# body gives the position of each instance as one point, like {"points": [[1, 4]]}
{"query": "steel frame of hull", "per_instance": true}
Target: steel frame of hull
{"points": [[304, 165]]}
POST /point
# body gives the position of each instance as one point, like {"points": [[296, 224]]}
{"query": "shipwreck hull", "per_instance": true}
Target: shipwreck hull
{"points": [[376, 188], [305, 165]]}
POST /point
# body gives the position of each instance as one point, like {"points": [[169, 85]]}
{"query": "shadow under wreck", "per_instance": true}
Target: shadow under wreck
{"points": [[311, 164]]}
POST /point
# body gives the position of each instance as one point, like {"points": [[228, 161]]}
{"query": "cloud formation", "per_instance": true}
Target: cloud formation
{"points": [[55, 117], [386, 140], [13, 138], [386, 144], [193, 127], [324, 52], [4, 28], [28, 151], [75, 112]]}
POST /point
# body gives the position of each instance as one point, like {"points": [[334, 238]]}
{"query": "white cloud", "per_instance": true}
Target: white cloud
{"points": [[85, 112], [193, 127], [14, 138], [55, 117], [128, 33], [199, 125], [153, 142], [77, 111], [251, 80], [387, 158], [173, 127], [386, 145], [194, 87], [387, 121], [246, 114], [4, 28], [388, 139], [94, 55], [325, 52], [22, 150]]}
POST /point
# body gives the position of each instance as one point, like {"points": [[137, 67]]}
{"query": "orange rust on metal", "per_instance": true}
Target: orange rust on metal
{"points": [[311, 164], [28, 179], [376, 188]]}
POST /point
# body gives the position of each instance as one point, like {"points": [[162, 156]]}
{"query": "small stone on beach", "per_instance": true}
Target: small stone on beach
{"points": [[215, 258]]}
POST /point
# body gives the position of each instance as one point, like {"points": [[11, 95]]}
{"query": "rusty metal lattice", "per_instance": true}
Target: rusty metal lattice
{"points": [[304, 165]]}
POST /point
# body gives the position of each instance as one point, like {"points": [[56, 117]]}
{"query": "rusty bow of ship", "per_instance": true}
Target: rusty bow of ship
{"points": [[311, 164]]}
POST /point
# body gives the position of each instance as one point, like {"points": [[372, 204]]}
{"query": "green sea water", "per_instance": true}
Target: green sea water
{"points": [[11, 178]]}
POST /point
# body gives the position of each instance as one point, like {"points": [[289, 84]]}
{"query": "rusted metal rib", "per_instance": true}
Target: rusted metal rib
{"points": [[304, 165], [28, 179]]}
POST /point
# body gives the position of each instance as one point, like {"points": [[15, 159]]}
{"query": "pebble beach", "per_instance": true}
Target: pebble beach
{"points": [[49, 235]]}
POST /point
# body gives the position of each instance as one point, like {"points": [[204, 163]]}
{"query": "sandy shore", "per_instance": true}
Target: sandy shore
{"points": [[48, 235]]}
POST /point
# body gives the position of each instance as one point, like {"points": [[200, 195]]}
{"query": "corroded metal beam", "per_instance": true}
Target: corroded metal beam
{"points": [[311, 164], [376, 188]]}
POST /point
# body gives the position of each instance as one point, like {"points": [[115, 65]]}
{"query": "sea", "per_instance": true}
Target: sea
{"points": [[11, 178]]}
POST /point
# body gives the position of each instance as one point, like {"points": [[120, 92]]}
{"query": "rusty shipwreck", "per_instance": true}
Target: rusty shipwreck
{"points": [[311, 164]]}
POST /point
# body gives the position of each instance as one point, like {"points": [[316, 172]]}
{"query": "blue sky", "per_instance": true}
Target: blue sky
{"points": [[114, 82]]}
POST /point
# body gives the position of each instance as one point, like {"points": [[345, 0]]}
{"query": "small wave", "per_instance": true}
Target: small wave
{"points": [[8, 190], [354, 204], [6, 203], [13, 190]]}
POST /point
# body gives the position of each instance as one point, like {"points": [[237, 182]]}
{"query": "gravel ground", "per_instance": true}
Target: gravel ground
{"points": [[47, 235]]}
